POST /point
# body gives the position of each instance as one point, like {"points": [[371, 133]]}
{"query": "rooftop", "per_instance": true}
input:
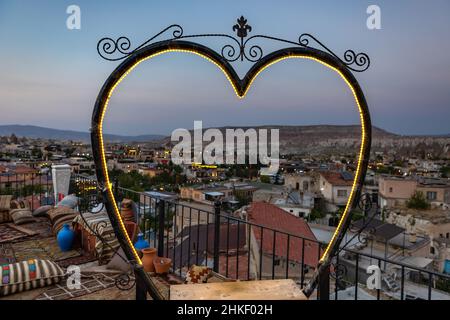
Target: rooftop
{"points": [[338, 178], [273, 217]]}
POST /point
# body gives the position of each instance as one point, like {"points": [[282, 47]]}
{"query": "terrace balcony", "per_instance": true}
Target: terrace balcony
{"points": [[233, 247]]}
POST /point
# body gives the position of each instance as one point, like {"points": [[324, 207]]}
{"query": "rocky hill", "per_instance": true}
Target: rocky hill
{"points": [[320, 139]]}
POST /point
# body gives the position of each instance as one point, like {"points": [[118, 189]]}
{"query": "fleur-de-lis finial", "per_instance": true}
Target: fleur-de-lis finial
{"points": [[242, 27]]}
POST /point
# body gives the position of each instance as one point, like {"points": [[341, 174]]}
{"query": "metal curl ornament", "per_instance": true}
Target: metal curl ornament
{"points": [[338, 270], [365, 203], [108, 47], [125, 282]]}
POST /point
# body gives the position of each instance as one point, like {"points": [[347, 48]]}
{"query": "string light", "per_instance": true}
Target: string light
{"points": [[240, 95]]}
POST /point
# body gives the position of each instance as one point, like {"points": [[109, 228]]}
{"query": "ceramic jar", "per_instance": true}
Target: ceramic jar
{"points": [[65, 238], [162, 265], [148, 256]]}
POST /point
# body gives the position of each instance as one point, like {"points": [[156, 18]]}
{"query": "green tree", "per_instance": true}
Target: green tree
{"points": [[316, 214], [445, 172], [37, 153], [418, 201]]}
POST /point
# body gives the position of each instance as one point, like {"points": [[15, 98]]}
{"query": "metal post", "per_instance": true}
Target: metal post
{"points": [[141, 290], [116, 188], [217, 205], [161, 222], [324, 284]]}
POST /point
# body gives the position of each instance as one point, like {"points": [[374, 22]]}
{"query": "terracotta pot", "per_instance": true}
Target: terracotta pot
{"points": [[148, 256], [162, 265], [126, 210]]}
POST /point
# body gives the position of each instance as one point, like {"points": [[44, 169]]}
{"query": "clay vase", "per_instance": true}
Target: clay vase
{"points": [[149, 254], [162, 265], [65, 238], [126, 210]]}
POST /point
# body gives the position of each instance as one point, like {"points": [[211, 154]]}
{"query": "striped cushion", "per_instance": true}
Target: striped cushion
{"points": [[30, 274], [21, 216], [5, 205], [4, 216], [5, 202], [59, 216], [20, 204]]}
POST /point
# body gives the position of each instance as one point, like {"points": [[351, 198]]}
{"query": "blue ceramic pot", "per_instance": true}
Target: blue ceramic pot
{"points": [[141, 243], [65, 238]]}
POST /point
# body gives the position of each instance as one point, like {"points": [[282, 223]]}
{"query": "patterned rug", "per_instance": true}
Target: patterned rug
{"points": [[90, 282], [6, 254], [46, 249], [10, 232], [84, 258], [42, 227]]}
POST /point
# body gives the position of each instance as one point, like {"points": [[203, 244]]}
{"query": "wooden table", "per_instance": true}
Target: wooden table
{"points": [[285, 289]]}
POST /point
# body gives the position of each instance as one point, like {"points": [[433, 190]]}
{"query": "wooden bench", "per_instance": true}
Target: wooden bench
{"points": [[285, 289]]}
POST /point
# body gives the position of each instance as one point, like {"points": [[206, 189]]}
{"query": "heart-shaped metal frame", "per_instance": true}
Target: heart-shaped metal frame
{"points": [[241, 87]]}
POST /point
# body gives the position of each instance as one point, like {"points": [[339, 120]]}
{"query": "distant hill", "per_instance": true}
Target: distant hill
{"points": [[321, 139], [48, 133], [309, 140]]}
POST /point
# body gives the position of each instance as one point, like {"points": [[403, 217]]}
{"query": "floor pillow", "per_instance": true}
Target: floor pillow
{"points": [[42, 211], [27, 275], [60, 216], [5, 205], [197, 274], [70, 201], [4, 216], [21, 216], [20, 204]]}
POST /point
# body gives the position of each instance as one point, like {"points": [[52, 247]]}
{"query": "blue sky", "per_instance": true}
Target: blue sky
{"points": [[50, 76]]}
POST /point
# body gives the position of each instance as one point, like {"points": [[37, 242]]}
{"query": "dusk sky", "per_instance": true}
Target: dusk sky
{"points": [[50, 75]]}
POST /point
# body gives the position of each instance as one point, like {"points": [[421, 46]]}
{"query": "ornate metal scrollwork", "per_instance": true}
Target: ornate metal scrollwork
{"points": [[125, 281], [91, 200], [107, 47], [363, 232], [338, 272], [115, 50]]}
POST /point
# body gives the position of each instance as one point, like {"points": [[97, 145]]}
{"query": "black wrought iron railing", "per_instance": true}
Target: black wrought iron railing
{"points": [[36, 187], [237, 248]]}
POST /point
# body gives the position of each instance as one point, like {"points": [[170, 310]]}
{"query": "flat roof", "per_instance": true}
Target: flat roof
{"points": [[381, 230]]}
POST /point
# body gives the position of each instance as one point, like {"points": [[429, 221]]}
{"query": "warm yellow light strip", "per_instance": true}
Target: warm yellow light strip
{"points": [[103, 157], [102, 152], [363, 138]]}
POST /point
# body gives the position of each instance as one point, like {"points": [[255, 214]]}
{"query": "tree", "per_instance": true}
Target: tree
{"points": [[316, 214], [445, 172], [243, 200], [69, 151], [37, 153], [418, 201]]}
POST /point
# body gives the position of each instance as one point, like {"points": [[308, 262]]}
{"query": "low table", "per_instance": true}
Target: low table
{"points": [[285, 289]]}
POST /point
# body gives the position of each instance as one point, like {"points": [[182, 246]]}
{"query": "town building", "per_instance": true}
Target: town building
{"points": [[269, 248], [396, 191], [335, 188]]}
